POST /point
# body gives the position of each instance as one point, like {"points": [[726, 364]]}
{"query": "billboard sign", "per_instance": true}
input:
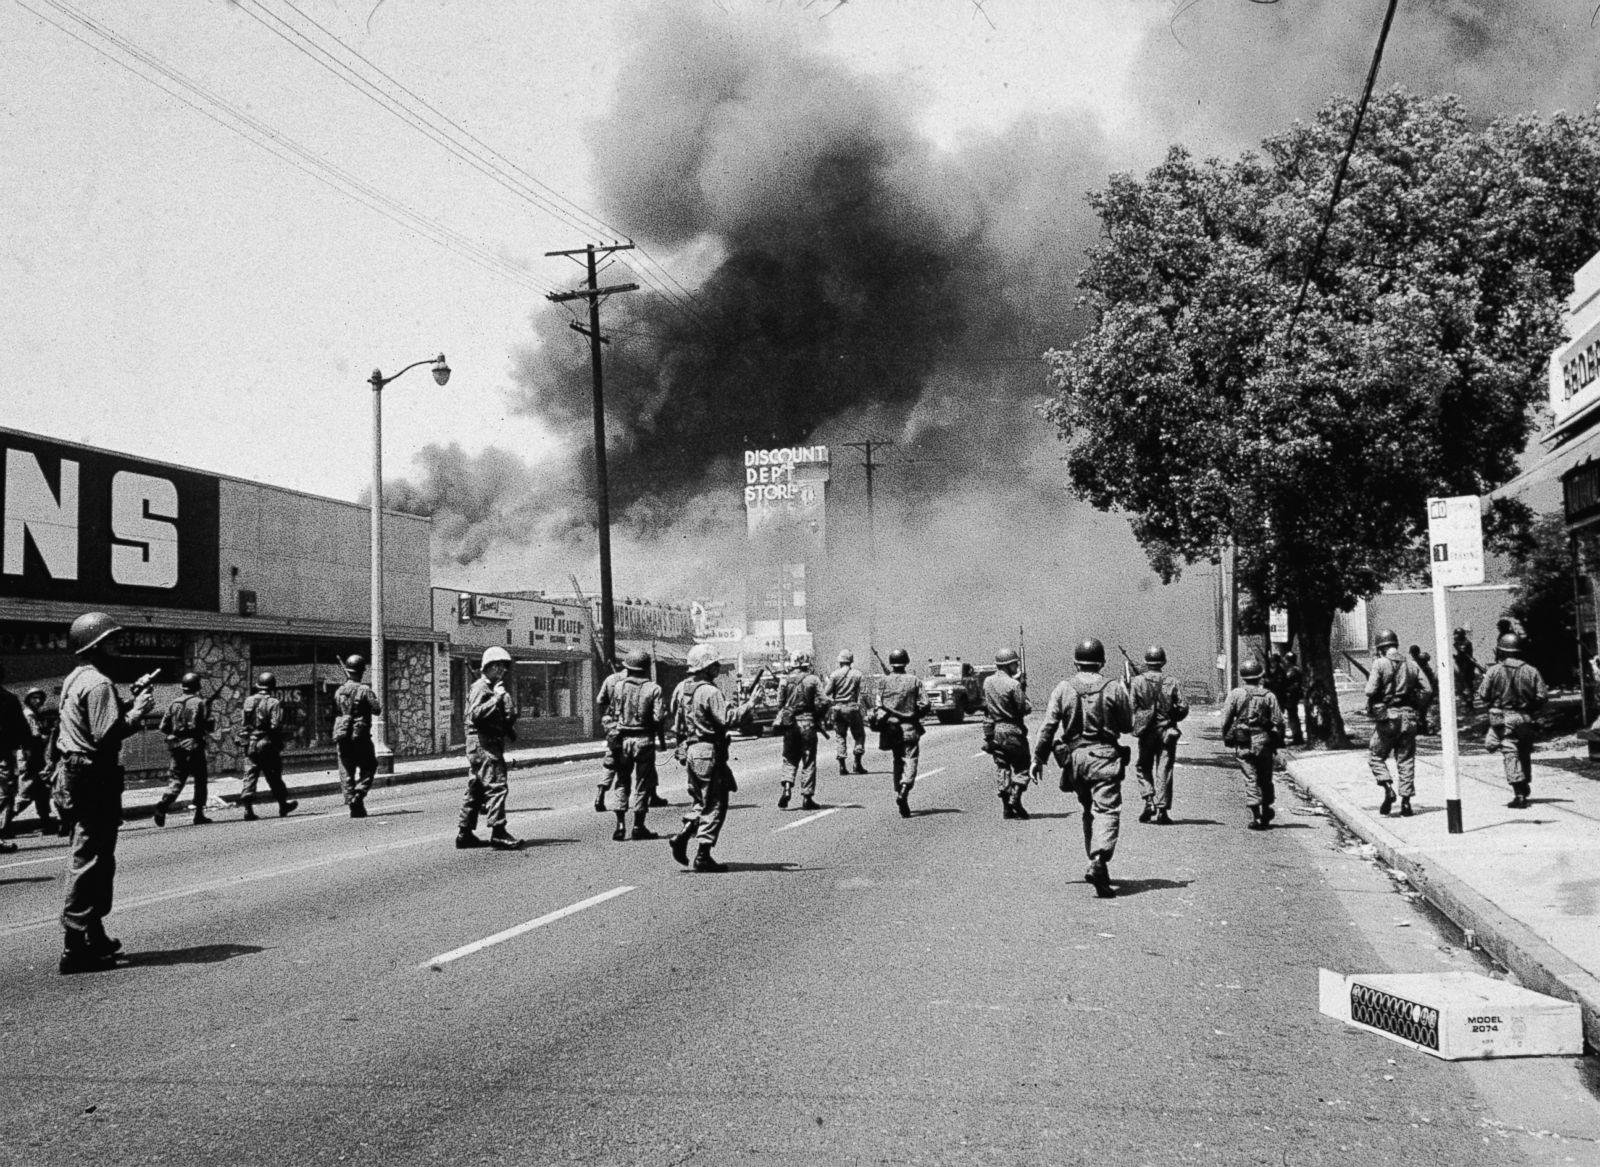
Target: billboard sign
{"points": [[785, 489]]}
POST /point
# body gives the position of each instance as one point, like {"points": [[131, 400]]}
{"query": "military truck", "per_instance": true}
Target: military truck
{"points": [[954, 689]]}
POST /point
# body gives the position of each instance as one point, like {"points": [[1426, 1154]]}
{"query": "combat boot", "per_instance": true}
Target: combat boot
{"points": [[843, 769], [466, 840], [1100, 876], [1163, 819], [78, 957], [600, 799], [903, 801], [1256, 823], [783, 799], [1007, 811], [1267, 815], [657, 800], [503, 840], [7, 848], [1405, 807], [640, 831], [6, 817], [704, 862], [679, 845], [620, 832], [102, 945], [1017, 809], [809, 803], [1387, 804], [859, 768], [250, 814], [159, 814], [1148, 814], [285, 807], [358, 808], [200, 819]]}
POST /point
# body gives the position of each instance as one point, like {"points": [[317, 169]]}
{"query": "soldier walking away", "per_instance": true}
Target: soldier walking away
{"points": [[1253, 727], [1466, 666], [800, 710], [639, 715], [1005, 731], [1425, 663], [707, 721], [352, 734], [491, 717], [185, 725], [14, 736], [35, 761], [1158, 707], [1294, 692], [904, 705], [843, 695], [94, 723], [1398, 696], [1513, 691], [1092, 713], [262, 733], [605, 702]]}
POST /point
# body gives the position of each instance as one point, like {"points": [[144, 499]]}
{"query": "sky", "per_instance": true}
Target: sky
{"points": [[175, 291]]}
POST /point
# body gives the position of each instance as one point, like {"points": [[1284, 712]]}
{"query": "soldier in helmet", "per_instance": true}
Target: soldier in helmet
{"points": [[491, 716], [94, 723], [262, 732], [1397, 694], [904, 705], [842, 692], [352, 734], [800, 710], [639, 715], [1253, 726], [1092, 712], [1158, 707], [14, 736], [1294, 692], [1005, 731], [706, 720], [1513, 691], [605, 703], [185, 725], [35, 786]]}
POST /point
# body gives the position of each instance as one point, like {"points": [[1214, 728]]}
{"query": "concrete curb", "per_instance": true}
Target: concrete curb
{"points": [[1536, 964], [415, 772]]}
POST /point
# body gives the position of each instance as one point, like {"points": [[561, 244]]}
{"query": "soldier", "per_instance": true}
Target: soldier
{"points": [[491, 716], [35, 789], [904, 705], [1253, 725], [1092, 712], [1158, 707], [639, 715], [1466, 666], [1294, 692], [605, 702], [185, 725], [262, 732], [1425, 663], [94, 723], [1005, 732], [843, 695], [352, 734], [1397, 698], [800, 710], [14, 737], [1513, 690], [707, 721]]}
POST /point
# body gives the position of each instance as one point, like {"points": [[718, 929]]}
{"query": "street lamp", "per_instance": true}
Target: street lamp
{"points": [[380, 729]]}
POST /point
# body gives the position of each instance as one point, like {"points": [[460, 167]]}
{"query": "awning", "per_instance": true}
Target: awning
{"points": [[1540, 484], [667, 652]]}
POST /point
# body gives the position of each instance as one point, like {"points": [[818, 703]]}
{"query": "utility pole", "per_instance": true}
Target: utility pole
{"points": [[867, 448], [593, 293]]}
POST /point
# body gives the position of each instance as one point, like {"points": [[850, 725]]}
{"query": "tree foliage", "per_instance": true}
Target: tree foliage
{"points": [[1543, 602]]}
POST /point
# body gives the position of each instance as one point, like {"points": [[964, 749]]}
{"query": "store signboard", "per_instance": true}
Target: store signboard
{"points": [[492, 608], [97, 528]]}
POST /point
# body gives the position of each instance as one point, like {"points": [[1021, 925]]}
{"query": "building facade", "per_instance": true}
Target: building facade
{"points": [[212, 575]]}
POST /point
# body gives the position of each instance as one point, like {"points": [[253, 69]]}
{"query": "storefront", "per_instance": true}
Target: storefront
{"points": [[211, 575], [552, 673]]}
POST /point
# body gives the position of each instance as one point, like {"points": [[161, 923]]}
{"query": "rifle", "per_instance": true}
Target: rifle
{"points": [[875, 656], [1022, 658], [145, 682]]}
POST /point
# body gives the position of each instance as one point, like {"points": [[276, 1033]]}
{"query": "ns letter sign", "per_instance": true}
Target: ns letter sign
{"points": [[97, 528]]}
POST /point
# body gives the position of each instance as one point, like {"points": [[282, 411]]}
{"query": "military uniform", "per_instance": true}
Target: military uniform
{"points": [[1397, 695], [800, 708], [1158, 707], [491, 717], [1294, 692], [14, 738], [706, 720], [1005, 734], [904, 703], [35, 785], [262, 731], [1513, 690], [1253, 727], [605, 704], [357, 704], [1092, 713], [843, 696], [185, 724], [639, 713]]}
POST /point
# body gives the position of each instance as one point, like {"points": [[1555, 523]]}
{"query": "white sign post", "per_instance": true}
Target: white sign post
{"points": [[1455, 556]]}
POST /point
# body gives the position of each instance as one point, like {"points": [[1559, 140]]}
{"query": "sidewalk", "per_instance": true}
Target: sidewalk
{"points": [[1525, 883], [140, 801]]}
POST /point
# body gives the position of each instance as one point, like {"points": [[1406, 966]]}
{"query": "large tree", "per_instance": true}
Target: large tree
{"points": [[1199, 404]]}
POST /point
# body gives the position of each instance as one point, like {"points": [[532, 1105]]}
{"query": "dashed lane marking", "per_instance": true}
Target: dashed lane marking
{"points": [[61, 858], [440, 961], [811, 818]]}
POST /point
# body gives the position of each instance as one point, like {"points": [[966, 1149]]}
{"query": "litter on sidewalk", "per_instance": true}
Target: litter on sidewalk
{"points": [[1453, 1015]]}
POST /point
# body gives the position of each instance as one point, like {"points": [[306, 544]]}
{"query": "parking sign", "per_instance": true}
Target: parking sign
{"points": [[1455, 540]]}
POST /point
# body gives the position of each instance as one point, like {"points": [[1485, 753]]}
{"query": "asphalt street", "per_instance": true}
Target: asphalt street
{"points": [[859, 988]]}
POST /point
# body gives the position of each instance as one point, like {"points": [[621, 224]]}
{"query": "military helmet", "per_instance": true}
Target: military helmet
{"points": [[266, 682], [189, 682], [702, 657], [355, 663], [1155, 655], [494, 653], [846, 657], [802, 660], [89, 630], [1510, 645], [1006, 656], [34, 692], [899, 656], [1249, 669], [1388, 638], [1089, 652], [637, 661]]}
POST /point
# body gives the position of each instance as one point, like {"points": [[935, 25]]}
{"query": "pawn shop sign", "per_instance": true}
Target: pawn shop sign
{"points": [[1455, 540]]}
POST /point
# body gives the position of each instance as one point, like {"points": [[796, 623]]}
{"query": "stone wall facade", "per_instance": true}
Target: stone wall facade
{"points": [[408, 705], [223, 660]]}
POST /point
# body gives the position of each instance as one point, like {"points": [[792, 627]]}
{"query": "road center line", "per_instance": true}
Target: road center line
{"points": [[512, 933], [60, 858], [810, 818]]}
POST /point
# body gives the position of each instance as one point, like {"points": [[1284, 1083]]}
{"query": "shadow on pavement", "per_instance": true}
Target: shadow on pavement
{"points": [[199, 954], [1041, 814], [733, 866], [1133, 887], [28, 879], [1194, 823], [383, 814], [917, 814], [1582, 767]]}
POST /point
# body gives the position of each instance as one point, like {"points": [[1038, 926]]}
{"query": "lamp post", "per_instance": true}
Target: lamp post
{"points": [[380, 728]]}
